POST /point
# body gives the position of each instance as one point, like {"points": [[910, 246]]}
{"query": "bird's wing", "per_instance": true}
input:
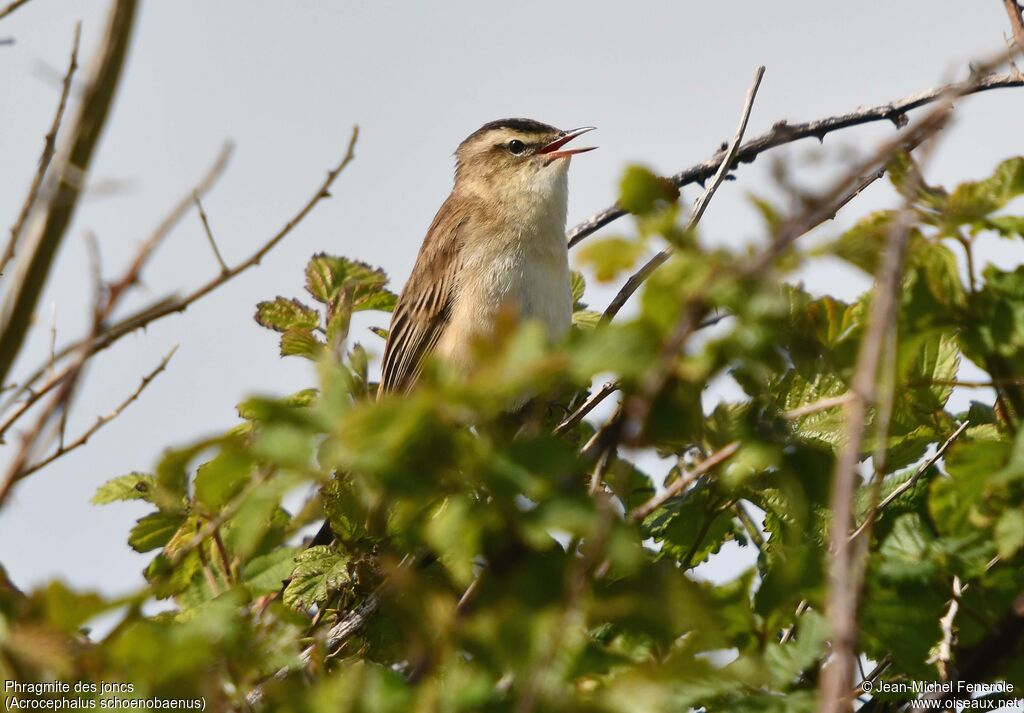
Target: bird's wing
{"points": [[424, 308]]}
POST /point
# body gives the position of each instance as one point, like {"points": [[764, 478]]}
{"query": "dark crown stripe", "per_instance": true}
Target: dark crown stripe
{"points": [[524, 125]]}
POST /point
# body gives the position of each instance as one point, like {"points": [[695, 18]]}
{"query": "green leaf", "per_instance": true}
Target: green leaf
{"points": [[1009, 533], [134, 486], [578, 285], [786, 662], [266, 573], [863, 244], [1008, 226], [319, 572], [220, 479], [66, 609], [260, 521], [642, 189], [609, 257], [586, 319], [328, 275], [972, 201], [154, 530], [301, 342], [455, 532], [283, 314]]}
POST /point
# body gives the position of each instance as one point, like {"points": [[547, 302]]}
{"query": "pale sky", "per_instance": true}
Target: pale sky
{"points": [[662, 80]]}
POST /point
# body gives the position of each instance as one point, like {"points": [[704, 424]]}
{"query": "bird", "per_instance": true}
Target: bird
{"points": [[497, 243]]}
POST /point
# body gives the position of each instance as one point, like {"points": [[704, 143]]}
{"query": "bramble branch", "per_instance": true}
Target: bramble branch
{"points": [[783, 133]]}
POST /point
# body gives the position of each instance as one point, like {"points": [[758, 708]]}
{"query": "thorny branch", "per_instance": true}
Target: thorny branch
{"points": [[783, 133]]}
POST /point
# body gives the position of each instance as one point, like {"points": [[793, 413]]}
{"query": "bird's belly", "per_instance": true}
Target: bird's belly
{"points": [[534, 286]]}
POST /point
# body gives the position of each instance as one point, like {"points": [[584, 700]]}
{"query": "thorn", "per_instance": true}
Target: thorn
{"points": [[326, 194], [820, 136], [898, 118], [701, 180], [724, 146]]}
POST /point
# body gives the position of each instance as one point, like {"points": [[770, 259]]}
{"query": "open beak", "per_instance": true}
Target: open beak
{"points": [[552, 150]]}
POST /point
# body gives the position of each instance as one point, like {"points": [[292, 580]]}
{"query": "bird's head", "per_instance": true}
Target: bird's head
{"points": [[516, 156]]}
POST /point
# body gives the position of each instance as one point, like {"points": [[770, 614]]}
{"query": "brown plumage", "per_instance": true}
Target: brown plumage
{"points": [[498, 241]]}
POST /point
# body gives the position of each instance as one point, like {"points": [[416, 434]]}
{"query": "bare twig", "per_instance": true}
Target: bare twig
{"points": [[788, 632], [11, 7], [699, 207], [910, 482], [837, 677], [586, 407], [640, 512], [49, 148], [824, 404], [43, 241], [785, 133], [101, 421], [174, 304], [344, 628], [209, 234], [132, 275], [751, 528], [1016, 14], [944, 654]]}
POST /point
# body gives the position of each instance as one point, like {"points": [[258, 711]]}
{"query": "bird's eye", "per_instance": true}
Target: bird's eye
{"points": [[516, 146]]}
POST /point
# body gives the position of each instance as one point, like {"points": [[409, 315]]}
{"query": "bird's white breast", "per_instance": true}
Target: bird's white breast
{"points": [[522, 264]]}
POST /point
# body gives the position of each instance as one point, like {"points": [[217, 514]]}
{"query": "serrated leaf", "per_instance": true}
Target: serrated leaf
{"points": [[301, 342], [974, 200], [578, 285], [154, 530], [319, 572], [267, 573], [328, 275], [283, 314], [586, 318], [134, 486]]}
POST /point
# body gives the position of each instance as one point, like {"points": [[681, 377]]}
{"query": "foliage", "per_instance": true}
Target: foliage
{"points": [[494, 580]]}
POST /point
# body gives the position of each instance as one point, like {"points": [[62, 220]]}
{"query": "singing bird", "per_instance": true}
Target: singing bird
{"points": [[498, 242]]}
